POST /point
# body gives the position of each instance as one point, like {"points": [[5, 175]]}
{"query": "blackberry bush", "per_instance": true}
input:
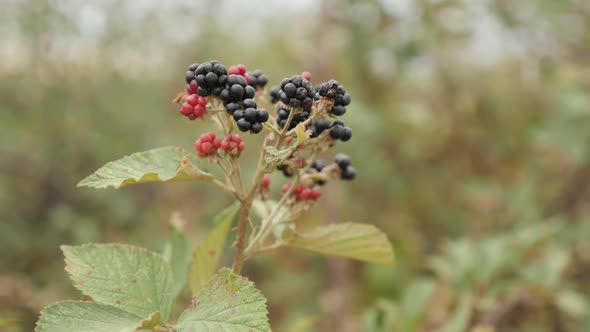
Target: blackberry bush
{"points": [[139, 296]]}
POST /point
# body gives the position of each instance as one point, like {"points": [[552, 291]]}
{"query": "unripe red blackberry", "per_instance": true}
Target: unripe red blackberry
{"points": [[258, 79], [211, 78], [296, 92], [194, 107], [233, 144], [306, 75], [265, 182], [333, 91], [315, 194], [207, 145]]}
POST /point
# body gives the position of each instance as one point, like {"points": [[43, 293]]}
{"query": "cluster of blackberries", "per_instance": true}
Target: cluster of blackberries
{"points": [[303, 192], [283, 117], [337, 129], [247, 116], [336, 92], [347, 172], [209, 77], [257, 79], [236, 89], [296, 92]]}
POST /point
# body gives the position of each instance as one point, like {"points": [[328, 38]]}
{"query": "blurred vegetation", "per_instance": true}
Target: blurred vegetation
{"points": [[471, 128]]}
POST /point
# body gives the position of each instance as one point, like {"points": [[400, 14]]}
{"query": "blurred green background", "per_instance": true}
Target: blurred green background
{"points": [[471, 123]]}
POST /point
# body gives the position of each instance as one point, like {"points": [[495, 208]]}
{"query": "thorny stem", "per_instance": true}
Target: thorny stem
{"points": [[267, 223], [247, 201], [246, 207]]}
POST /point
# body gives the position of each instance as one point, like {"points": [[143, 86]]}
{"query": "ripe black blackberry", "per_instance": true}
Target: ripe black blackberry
{"points": [[347, 172], [283, 117], [287, 171], [249, 118], [258, 79], [211, 78], [274, 94], [236, 90], [318, 127], [296, 92], [190, 74], [318, 165], [339, 131], [336, 92]]}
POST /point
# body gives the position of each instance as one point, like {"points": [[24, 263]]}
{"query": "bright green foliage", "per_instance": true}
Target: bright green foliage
{"points": [[177, 253], [352, 240], [131, 278], [73, 316], [206, 255], [158, 165], [228, 303]]}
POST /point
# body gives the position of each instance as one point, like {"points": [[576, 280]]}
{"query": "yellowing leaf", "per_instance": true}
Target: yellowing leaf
{"points": [[157, 165], [206, 255], [352, 240], [302, 134]]}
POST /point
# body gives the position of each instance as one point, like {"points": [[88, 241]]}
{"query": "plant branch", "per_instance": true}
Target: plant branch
{"points": [[239, 257]]}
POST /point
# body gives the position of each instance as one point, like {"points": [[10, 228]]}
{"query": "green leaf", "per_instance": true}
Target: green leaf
{"points": [[177, 253], [459, 321], [275, 155], [206, 255], [358, 241], [158, 165], [228, 303], [71, 316], [130, 278]]}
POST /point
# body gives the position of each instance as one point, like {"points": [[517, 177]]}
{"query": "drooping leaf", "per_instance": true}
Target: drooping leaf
{"points": [[71, 316], [228, 303], [206, 255], [130, 278], [177, 253], [352, 240], [158, 165]]}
